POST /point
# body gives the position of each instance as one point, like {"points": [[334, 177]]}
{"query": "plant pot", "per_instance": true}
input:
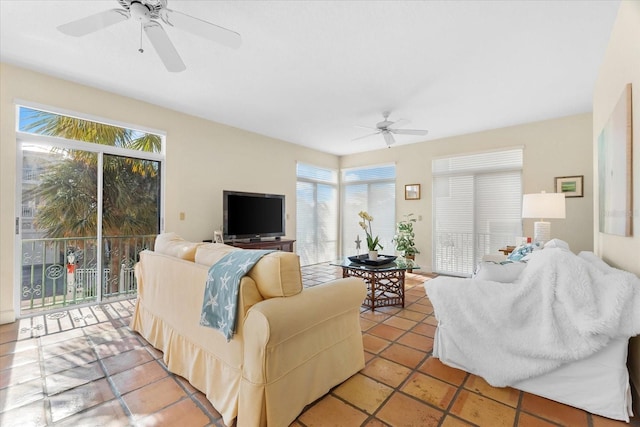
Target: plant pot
{"points": [[411, 257], [373, 255]]}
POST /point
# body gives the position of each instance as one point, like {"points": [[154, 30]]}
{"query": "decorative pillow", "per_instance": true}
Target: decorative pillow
{"points": [[210, 253], [277, 275], [522, 251], [174, 245], [557, 243], [505, 272]]}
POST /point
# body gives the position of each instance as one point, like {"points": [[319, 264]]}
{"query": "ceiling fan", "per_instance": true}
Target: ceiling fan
{"points": [[147, 12], [389, 128]]}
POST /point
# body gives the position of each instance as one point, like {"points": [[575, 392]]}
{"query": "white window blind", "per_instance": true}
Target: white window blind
{"points": [[370, 189], [477, 202], [316, 214]]}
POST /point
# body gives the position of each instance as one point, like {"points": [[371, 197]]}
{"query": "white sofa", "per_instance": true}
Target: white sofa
{"points": [[292, 345]]}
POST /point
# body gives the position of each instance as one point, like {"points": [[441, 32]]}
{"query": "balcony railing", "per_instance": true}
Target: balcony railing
{"points": [[64, 271], [459, 253]]}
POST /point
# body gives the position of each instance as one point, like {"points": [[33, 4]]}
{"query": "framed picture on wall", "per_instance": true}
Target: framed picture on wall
{"points": [[570, 186], [412, 192]]}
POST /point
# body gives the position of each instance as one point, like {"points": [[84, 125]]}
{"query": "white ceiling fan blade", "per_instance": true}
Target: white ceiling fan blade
{"points": [[93, 23], [388, 138], [365, 136], [397, 123], [163, 46], [365, 127], [201, 28], [409, 131]]}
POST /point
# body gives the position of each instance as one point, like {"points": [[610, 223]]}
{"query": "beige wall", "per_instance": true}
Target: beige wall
{"points": [[621, 65], [559, 147], [203, 158]]}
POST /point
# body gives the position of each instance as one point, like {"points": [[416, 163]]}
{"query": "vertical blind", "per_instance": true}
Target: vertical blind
{"points": [[316, 214], [477, 202], [370, 189]]}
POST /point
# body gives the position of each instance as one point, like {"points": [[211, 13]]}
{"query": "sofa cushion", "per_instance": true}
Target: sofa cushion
{"points": [[174, 245], [277, 274], [210, 253]]}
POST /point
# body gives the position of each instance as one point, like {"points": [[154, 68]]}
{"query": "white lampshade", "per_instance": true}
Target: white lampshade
{"points": [[543, 205]]}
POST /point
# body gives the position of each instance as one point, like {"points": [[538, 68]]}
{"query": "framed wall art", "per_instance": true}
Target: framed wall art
{"points": [[570, 186], [412, 192]]}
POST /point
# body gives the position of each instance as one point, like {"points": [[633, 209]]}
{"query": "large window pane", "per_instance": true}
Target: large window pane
{"points": [[371, 189]]}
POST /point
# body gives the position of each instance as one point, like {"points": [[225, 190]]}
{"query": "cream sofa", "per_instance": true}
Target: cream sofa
{"points": [[291, 345]]}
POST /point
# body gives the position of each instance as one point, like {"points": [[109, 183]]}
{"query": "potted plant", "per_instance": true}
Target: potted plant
{"points": [[405, 238], [373, 243]]}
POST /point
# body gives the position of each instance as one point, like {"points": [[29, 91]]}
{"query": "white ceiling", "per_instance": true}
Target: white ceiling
{"points": [[308, 72]]}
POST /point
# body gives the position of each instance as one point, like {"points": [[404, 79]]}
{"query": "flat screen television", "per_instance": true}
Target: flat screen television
{"points": [[252, 215]]}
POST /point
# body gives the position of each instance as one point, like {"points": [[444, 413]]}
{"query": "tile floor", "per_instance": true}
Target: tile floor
{"points": [[85, 367]]}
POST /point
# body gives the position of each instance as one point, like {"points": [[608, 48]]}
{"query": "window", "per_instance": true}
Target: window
{"points": [[370, 189], [477, 202], [316, 214], [90, 202]]}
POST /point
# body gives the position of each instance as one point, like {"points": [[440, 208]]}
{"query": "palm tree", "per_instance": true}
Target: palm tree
{"points": [[67, 192]]}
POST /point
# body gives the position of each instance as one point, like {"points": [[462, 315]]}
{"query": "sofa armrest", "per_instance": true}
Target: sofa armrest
{"points": [[281, 334]]}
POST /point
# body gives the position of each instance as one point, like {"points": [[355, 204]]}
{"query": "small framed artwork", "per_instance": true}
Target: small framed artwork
{"points": [[217, 237], [412, 192], [570, 186]]}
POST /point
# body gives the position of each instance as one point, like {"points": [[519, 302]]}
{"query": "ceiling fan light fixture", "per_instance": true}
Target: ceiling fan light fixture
{"points": [[140, 12]]}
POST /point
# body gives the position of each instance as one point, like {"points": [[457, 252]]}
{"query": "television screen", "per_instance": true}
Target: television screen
{"points": [[253, 215]]}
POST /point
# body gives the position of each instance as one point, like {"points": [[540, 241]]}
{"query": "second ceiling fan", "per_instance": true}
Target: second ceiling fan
{"points": [[388, 128]]}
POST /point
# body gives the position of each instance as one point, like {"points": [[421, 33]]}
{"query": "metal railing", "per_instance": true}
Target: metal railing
{"points": [[458, 254], [58, 272]]}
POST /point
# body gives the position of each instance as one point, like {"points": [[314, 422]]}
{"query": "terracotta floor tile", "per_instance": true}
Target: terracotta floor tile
{"points": [[424, 329], [30, 415], [138, 376], [366, 324], [482, 410], [127, 360], [69, 360], [436, 368], [403, 355], [61, 337], [21, 394], [526, 420], [204, 402], [403, 410], [400, 323], [153, 397], [553, 411], [421, 307], [185, 384], [506, 395], [31, 355], [68, 346], [19, 374], [73, 377], [451, 421], [117, 347], [330, 411], [18, 346], [108, 414], [386, 332], [431, 320], [412, 315], [374, 316], [430, 390], [417, 341], [363, 392], [77, 399], [374, 344], [385, 371], [184, 413], [375, 423]]}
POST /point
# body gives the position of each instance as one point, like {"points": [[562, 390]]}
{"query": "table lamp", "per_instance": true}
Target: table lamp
{"points": [[543, 205]]}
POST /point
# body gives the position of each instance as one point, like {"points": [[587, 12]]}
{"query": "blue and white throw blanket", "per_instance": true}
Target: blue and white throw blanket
{"points": [[220, 305]]}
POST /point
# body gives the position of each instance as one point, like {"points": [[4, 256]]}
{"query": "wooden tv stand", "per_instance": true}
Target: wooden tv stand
{"points": [[280, 245]]}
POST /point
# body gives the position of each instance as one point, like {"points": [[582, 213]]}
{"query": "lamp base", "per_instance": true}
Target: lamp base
{"points": [[541, 231]]}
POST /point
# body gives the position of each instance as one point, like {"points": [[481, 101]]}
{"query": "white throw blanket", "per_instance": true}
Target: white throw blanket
{"points": [[559, 310]]}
